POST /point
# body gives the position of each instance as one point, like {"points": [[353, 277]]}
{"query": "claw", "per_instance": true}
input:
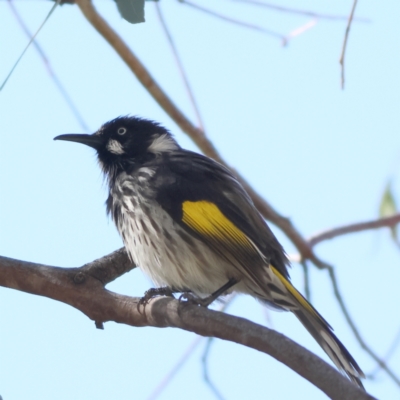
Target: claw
{"points": [[154, 292], [190, 297], [198, 301]]}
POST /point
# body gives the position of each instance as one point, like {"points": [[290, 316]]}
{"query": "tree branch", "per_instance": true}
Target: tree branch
{"points": [[234, 21], [346, 37], [90, 297], [108, 268], [387, 222], [289, 10], [179, 63], [356, 331], [63, 91]]}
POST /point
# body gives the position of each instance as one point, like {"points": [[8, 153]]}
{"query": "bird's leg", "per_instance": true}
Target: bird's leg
{"points": [[209, 299]]}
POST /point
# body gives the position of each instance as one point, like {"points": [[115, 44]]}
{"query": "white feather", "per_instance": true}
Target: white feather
{"points": [[162, 144], [115, 147]]}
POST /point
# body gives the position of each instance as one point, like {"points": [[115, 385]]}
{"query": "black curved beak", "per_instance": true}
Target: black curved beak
{"points": [[94, 141]]}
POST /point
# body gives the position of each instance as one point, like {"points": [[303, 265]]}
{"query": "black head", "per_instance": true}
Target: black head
{"points": [[126, 141]]}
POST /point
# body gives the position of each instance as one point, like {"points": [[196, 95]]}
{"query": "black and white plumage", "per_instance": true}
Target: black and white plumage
{"points": [[188, 224]]}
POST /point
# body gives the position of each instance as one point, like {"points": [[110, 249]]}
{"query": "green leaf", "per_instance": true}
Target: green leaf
{"points": [[388, 205], [388, 208], [131, 10]]}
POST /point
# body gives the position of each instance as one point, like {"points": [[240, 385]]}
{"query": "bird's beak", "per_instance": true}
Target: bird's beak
{"points": [[94, 141]]}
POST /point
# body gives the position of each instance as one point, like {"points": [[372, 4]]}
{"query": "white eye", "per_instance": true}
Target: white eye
{"points": [[121, 131]]}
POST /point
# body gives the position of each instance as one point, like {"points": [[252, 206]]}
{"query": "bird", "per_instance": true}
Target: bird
{"points": [[189, 224]]}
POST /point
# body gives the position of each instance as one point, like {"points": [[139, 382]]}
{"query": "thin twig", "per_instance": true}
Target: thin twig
{"points": [[29, 43], [355, 330], [206, 375], [386, 358], [387, 222], [300, 30], [307, 290], [197, 135], [180, 66], [181, 362], [234, 21], [204, 358], [313, 14], [49, 68], [346, 36], [375, 224]]}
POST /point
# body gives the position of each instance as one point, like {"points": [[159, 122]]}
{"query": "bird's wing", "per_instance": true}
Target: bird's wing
{"points": [[207, 200]]}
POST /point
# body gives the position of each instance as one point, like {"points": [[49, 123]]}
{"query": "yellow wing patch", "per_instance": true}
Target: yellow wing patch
{"points": [[293, 291], [207, 219]]}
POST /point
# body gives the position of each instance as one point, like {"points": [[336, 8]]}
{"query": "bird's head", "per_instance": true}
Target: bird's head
{"points": [[124, 142]]}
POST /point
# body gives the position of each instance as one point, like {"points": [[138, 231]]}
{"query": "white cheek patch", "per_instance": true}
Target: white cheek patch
{"points": [[115, 147], [162, 143]]}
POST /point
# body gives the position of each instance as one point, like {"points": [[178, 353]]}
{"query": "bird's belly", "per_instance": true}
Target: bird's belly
{"points": [[169, 255]]}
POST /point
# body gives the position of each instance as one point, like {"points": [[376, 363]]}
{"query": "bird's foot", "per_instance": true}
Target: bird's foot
{"points": [[191, 298], [198, 301], [155, 292]]}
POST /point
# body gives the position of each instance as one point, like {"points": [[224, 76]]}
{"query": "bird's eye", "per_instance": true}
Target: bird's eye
{"points": [[121, 131]]}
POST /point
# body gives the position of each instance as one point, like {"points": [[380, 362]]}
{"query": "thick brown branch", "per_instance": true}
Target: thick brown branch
{"points": [[387, 222], [108, 268], [197, 135], [90, 297]]}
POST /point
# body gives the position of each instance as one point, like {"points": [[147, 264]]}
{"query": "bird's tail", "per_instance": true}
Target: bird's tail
{"points": [[321, 331]]}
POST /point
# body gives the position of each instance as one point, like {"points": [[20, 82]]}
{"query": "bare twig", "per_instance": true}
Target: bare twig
{"points": [[235, 21], [346, 36], [206, 375], [284, 38], [300, 30], [181, 362], [89, 296], [387, 222], [49, 68], [29, 43], [343, 230], [197, 135], [386, 358], [187, 353], [289, 10], [307, 290], [180, 66], [355, 330], [204, 358]]}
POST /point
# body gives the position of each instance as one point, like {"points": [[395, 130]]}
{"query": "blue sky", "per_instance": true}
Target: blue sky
{"points": [[320, 155]]}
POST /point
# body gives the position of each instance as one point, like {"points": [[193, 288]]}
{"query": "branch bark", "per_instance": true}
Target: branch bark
{"points": [[387, 222], [80, 288]]}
